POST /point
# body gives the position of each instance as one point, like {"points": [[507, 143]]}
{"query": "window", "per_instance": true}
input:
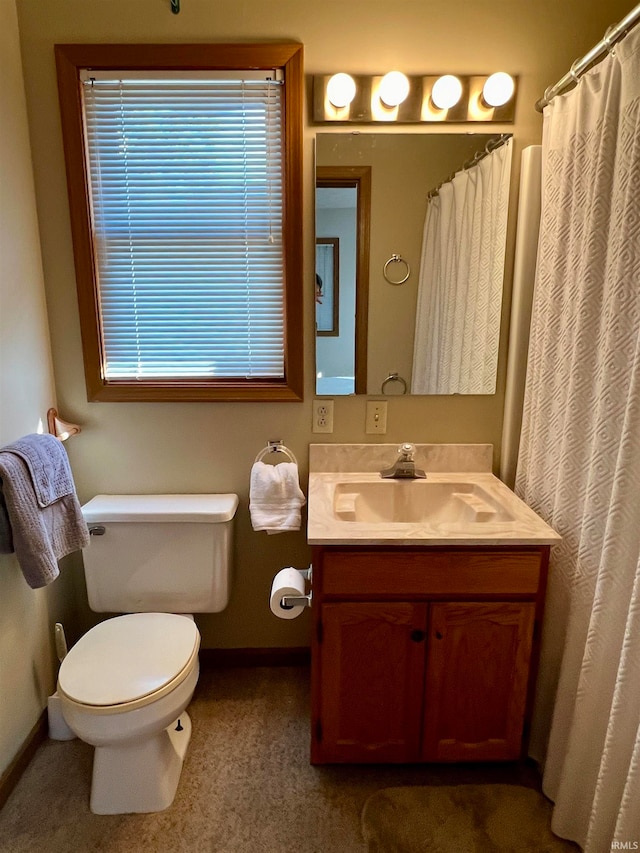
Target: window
{"points": [[184, 173]]}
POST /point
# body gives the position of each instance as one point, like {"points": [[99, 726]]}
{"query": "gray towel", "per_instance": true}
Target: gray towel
{"points": [[6, 539], [48, 466], [42, 507]]}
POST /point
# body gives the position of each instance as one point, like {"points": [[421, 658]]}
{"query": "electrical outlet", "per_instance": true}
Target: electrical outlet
{"points": [[376, 420], [323, 416]]}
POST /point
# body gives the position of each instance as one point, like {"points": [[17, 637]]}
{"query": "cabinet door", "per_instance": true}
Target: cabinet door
{"points": [[372, 659], [476, 681]]}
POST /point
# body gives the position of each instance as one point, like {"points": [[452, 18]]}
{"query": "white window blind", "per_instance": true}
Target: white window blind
{"points": [[186, 180]]}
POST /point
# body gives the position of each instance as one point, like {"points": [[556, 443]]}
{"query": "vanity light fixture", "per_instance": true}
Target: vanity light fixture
{"points": [[394, 88], [341, 90], [446, 92], [498, 89], [427, 98]]}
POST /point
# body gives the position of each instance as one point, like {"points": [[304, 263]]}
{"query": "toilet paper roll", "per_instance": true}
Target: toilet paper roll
{"points": [[286, 582]]}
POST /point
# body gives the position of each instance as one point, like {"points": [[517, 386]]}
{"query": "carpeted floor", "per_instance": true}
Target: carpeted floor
{"points": [[247, 785]]}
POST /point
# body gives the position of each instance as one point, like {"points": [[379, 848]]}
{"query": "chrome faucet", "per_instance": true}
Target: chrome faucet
{"points": [[404, 468]]}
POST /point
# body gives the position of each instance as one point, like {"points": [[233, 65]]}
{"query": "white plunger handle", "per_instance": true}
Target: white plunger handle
{"points": [[61, 642]]}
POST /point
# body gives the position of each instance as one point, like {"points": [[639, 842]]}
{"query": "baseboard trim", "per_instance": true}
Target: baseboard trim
{"points": [[218, 658], [14, 771]]}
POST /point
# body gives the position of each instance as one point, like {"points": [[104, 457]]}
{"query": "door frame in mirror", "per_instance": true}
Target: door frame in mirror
{"points": [[360, 178]]}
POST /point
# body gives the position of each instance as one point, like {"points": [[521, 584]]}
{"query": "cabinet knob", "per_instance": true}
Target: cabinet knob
{"points": [[418, 636], [438, 635]]}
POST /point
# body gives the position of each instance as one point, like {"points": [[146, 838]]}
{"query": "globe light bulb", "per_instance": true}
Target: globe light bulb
{"points": [[446, 92], [498, 89], [394, 88], [341, 90]]}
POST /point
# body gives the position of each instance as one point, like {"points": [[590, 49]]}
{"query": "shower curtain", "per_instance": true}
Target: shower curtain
{"points": [[460, 287], [579, 463]]}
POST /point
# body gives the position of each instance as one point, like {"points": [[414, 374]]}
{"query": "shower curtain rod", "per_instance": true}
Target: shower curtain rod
{"points": [[613, 34], [490, 147]]}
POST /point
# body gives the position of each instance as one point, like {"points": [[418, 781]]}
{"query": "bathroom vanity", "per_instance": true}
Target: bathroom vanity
{"points": [[428, 599]]}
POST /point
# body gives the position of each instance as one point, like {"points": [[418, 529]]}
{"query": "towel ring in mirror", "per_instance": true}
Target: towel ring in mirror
{"points": [[386, 272], [394, 377]]}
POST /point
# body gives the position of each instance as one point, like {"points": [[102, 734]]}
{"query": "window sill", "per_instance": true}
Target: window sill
{"points": [[181, 391]]}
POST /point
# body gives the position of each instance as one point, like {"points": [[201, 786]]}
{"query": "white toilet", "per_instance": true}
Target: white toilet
{"points": [[125, 684]]}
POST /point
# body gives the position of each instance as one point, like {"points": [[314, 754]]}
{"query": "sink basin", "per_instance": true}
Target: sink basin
{"points": [[416, 501], [461, 502]]}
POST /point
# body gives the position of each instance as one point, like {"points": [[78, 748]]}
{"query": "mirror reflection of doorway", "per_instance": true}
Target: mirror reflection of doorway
{"points": [[343, 197]]}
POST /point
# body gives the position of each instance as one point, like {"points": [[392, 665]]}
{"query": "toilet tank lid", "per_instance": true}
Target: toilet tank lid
{"points": [[205, 509]]}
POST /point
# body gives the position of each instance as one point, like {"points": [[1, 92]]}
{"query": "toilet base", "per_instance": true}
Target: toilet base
{"points": [[140, 777]]}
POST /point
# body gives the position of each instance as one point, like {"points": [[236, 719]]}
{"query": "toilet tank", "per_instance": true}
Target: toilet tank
{"points": [[166, 553]]}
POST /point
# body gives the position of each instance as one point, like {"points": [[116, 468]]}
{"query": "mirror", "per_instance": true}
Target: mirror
{"points": [[409, 287]]}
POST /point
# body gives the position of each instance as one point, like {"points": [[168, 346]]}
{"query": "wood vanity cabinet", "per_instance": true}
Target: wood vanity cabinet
{"points": [[424, 654]]}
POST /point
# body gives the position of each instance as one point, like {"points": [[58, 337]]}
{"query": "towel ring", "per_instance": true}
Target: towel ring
{"points": [[396, 259], [394, 377], [275, 447]]}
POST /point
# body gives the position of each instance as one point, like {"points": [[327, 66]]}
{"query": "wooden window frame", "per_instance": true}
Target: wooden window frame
{"points": [[71, 59]]}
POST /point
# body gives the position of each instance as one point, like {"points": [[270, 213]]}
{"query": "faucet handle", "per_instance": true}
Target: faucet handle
{"points": [[404, 468]]}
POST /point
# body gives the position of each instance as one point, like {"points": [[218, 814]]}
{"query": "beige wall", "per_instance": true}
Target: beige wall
{"points": [[27, 674], [208, 446]]}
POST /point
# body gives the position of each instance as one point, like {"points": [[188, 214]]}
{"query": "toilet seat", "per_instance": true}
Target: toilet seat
{"points": [[129, 661]]}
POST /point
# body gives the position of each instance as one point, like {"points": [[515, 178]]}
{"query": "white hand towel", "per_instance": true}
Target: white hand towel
{"points": [[275, 497]]}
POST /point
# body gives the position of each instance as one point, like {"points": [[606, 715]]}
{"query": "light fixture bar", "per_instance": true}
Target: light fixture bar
{"points": [[367, 106]]}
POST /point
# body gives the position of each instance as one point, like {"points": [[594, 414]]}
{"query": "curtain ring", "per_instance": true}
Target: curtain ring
{"points": [[573, 73], [394, 377], [396, 259], [608, 41]]}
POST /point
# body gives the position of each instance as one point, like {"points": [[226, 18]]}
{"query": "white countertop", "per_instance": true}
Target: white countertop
{"points": [[325, 527]]}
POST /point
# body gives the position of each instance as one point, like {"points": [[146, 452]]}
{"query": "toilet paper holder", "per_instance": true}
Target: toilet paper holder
{"points": [[289, 601]]}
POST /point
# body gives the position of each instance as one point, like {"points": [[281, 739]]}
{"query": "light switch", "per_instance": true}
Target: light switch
{"points": [[376, 420]]}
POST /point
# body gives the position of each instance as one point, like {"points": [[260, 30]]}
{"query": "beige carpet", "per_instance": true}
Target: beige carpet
{"points": [[247, 785], [460, 819]]}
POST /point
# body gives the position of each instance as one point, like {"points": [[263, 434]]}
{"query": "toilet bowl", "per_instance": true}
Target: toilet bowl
{"points": [[124, 688]]}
